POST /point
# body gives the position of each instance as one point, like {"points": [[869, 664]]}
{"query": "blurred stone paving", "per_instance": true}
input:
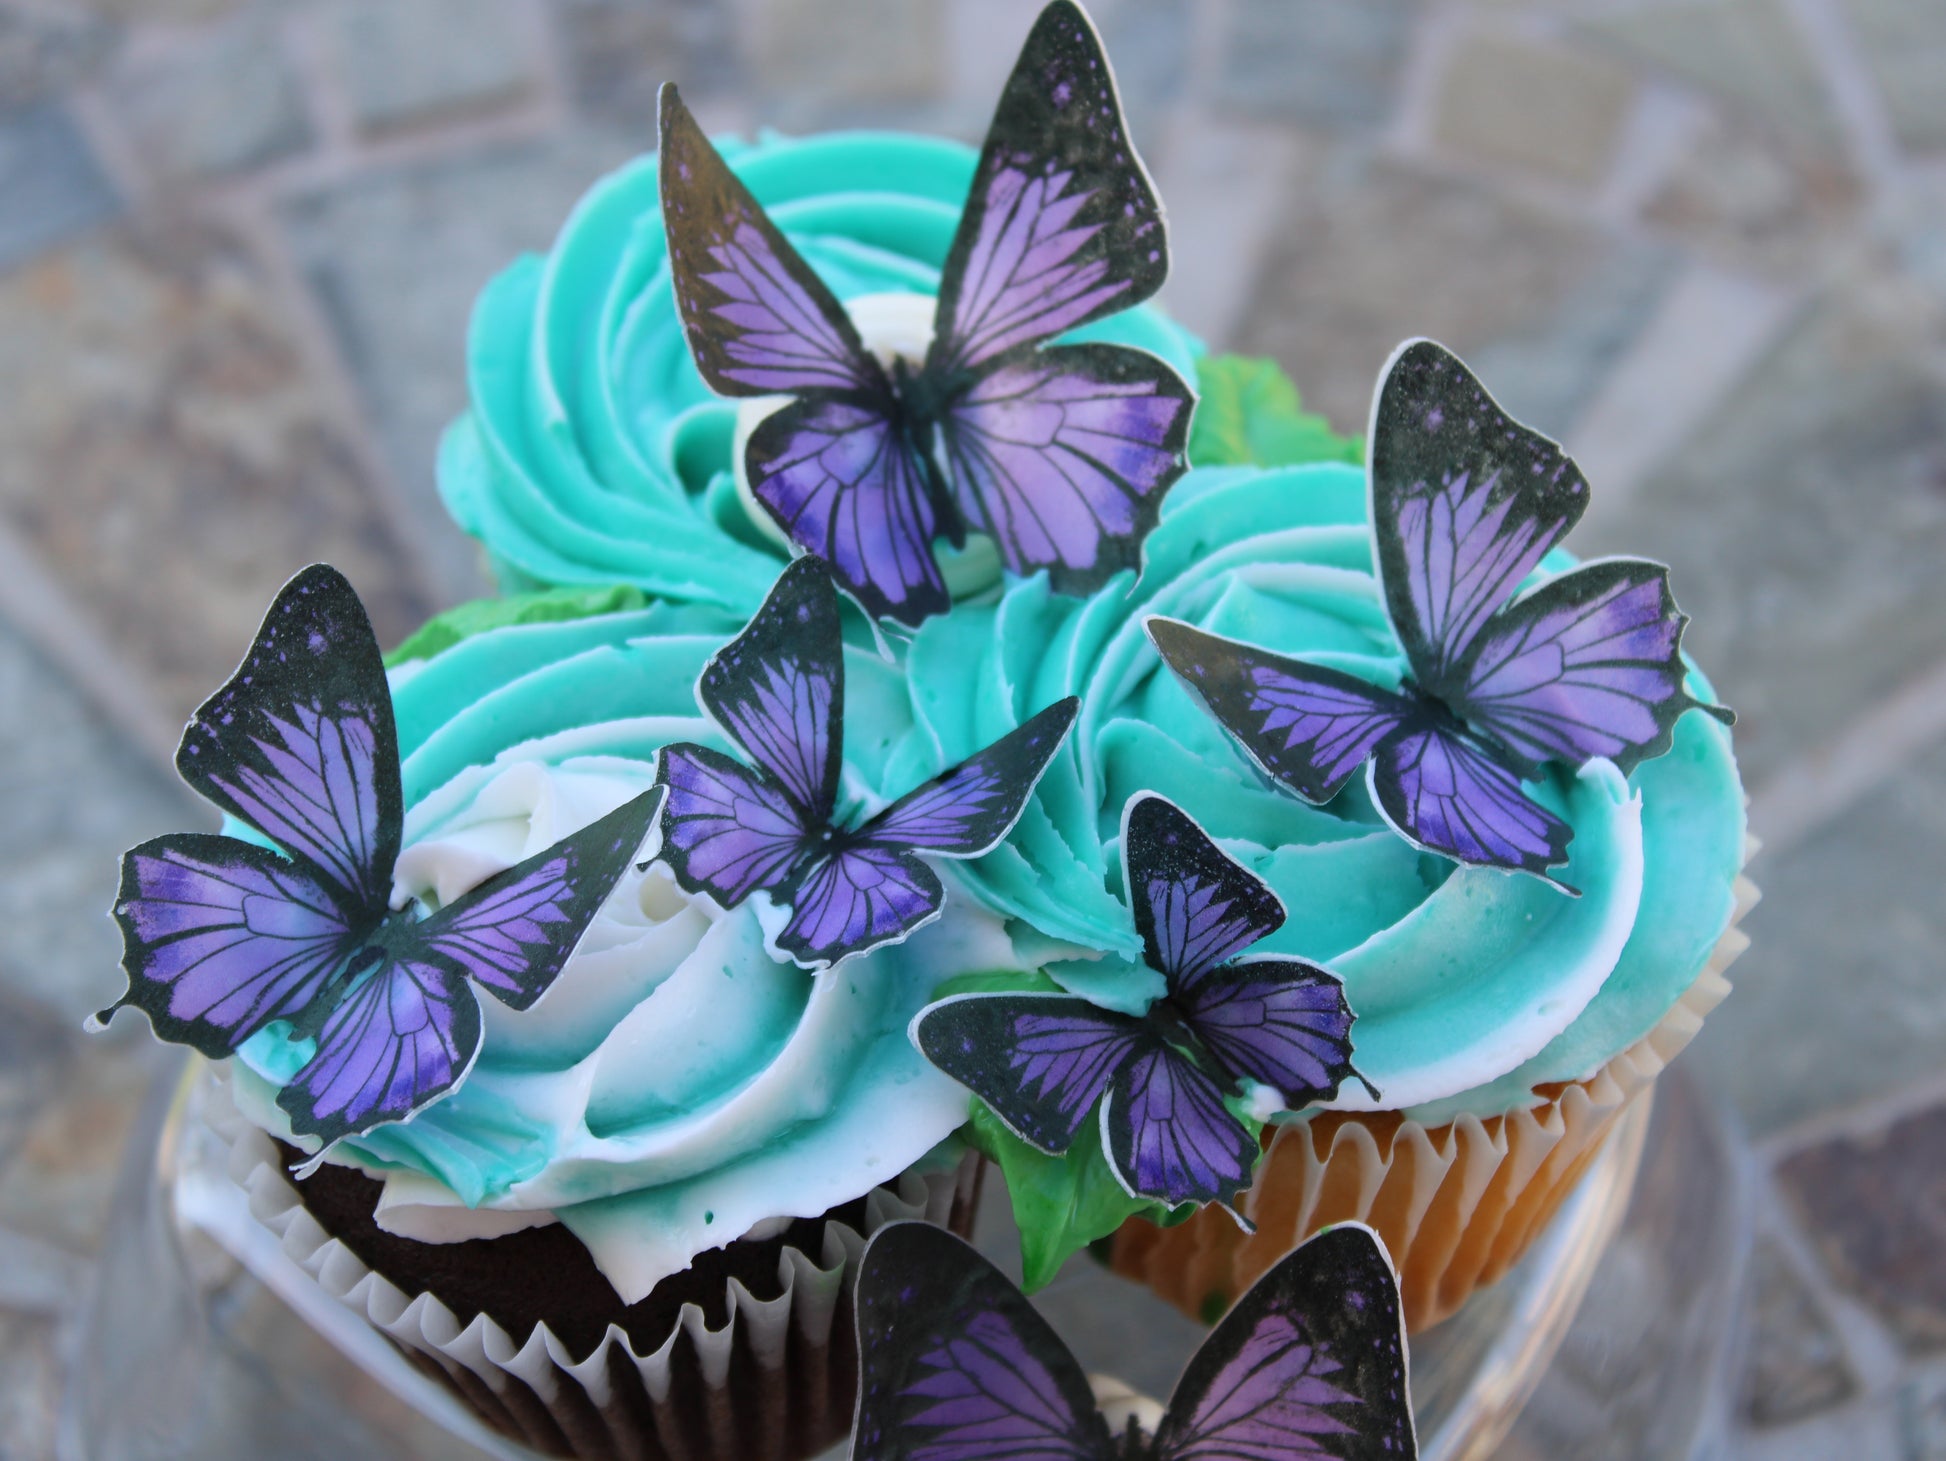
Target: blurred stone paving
{"points": [[1703, 241]]}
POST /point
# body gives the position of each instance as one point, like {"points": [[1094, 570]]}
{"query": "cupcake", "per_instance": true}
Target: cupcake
{"points": [[1503, 1025], [831, 693], [579, 1142]]}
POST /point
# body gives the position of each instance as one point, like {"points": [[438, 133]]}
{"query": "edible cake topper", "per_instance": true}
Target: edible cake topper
{"points": [[1044, 1061], [1061, 453], [778, 691], [955, 1365], [1465, 501], [222, 936]]}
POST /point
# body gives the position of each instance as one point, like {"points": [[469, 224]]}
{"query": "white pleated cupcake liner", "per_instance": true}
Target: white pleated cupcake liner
{"points": [[773, 1383]]}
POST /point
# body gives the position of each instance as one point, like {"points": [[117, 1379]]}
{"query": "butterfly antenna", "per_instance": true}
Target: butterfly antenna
{"points": [[305, 1169], [1249, 1227]]}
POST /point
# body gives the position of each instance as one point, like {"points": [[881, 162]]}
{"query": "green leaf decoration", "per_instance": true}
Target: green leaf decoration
{"points": [[1061, 1204], [1000, 981], [546, 606], [1248, 414]]}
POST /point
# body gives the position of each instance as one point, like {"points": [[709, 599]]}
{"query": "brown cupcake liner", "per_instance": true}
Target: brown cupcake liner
{"points": [[774, 1382], [1457, 1204]]}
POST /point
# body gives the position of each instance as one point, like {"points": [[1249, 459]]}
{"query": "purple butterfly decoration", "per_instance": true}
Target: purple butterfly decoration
{"points": [[1465, 501], [222, 937], [1045, 1062], [956, 1365], [778, 691], [1061, 453]]}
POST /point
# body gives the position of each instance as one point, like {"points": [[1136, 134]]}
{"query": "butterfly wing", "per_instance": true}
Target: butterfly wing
{"points": [[1063, 456], [778, 691], [853, 898], [869, 888], [726, 830], [1310, 1362], [1062, 225], [221, 937], [513, 933], [1465, 501], [1306, 726], [778, 688], [300, 742], [1041, 1061], [955, 1365], [840, 479], [1194, 907], [965, 810], [1167, 1132], [759, 320], [402, 1039], [1282, 1022], [834, 469], [1442, 791], [1589, 664]]}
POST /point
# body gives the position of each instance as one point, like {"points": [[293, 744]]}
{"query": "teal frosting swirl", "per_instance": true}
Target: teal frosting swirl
{"points": [[1471, 986], [679, 1088], [592, 451], [679, 1077]]}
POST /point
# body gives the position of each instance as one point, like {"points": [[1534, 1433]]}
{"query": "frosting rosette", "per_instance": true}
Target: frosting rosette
{"points": [[678, 1087], [681, 1087], [679, 1077], [1471, 986], [592, 451]]}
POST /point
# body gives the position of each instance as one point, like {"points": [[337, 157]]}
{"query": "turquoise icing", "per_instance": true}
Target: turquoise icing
{"points": [[593, 452], [678, 1086], [1471, 986]]}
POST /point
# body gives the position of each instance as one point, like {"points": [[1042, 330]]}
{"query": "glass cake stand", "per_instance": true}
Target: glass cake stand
{"points": [[1611, 1338]]}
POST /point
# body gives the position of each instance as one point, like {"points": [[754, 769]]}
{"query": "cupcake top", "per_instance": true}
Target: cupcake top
{"points": [[685, 1081]]}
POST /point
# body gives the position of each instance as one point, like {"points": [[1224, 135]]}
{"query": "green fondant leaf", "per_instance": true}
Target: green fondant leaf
{"points": [[1061, 1204], [1066, 1203], [1249, 414], [999, 981], [546, 606]]}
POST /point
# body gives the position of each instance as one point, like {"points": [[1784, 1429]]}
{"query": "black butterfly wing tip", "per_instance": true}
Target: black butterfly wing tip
{"points": [[1060, 716], [1173, 638], [97, 1022], [1722, 713], [1229, 1205], [1419, 352], [669, 109], [312, 574]]}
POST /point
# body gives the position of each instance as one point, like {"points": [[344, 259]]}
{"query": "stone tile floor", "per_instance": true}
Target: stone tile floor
{"points": [[1703, 240]]}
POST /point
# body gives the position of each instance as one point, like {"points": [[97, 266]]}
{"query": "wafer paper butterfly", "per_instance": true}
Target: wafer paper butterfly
{"points": [[1061, 453], [778, 691], [222, 936], [1044, 1062], [1465, 501], [955, 1365]]}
